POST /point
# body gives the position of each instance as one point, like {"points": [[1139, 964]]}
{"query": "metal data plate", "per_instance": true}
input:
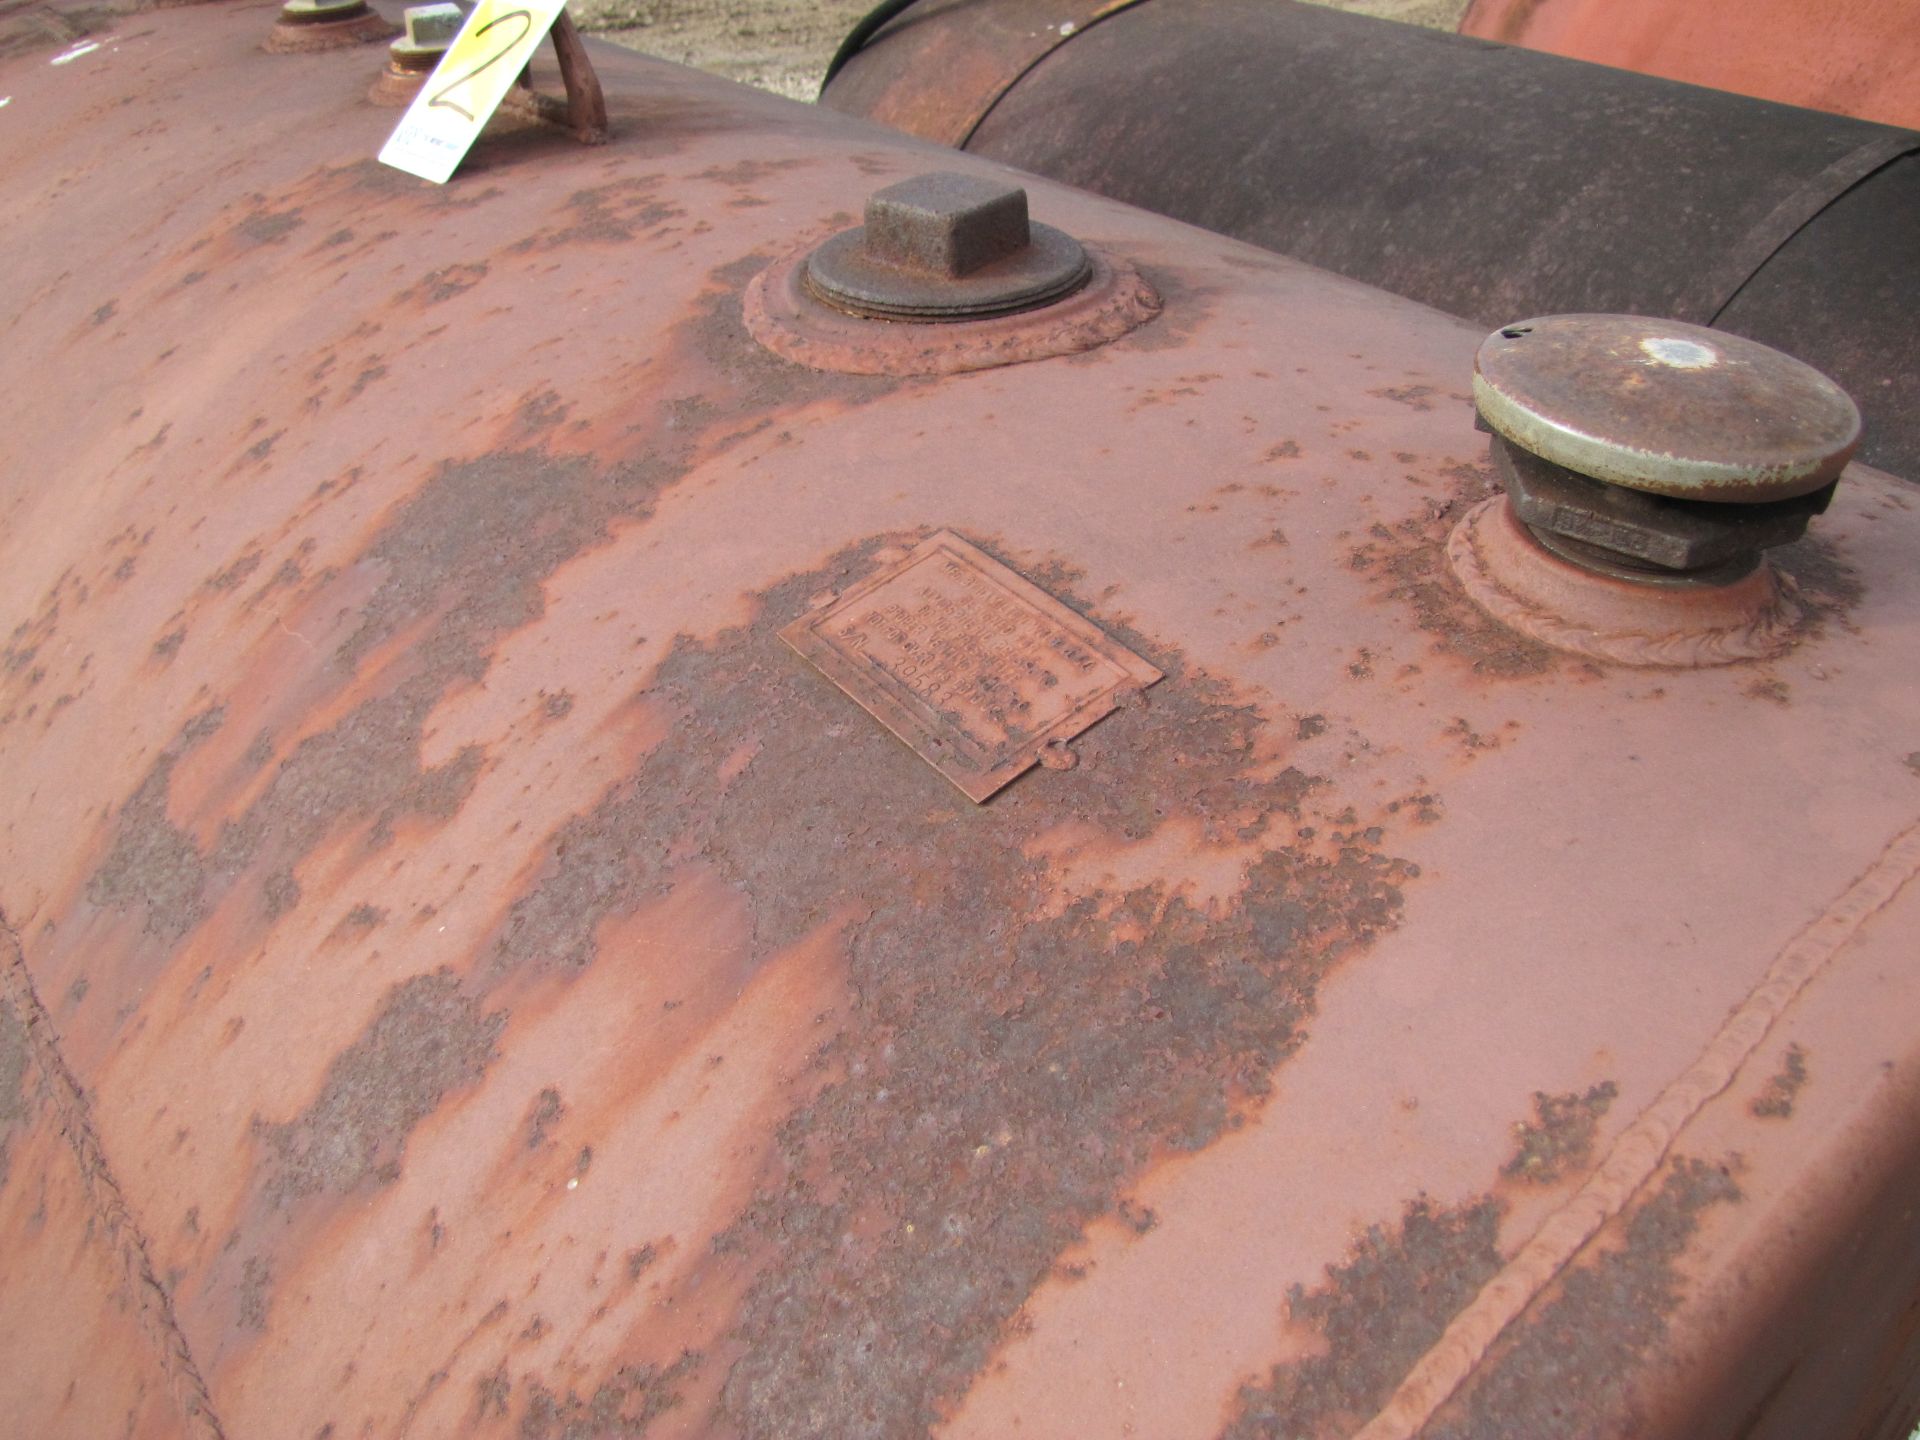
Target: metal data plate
{"points": [[975, 668]]}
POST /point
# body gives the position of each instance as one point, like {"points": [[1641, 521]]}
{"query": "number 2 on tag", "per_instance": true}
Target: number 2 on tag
{"points": [[472, 78]]}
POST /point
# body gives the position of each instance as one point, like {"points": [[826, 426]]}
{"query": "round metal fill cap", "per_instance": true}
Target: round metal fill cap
{"points": [[845, 273], [1665, 407]]}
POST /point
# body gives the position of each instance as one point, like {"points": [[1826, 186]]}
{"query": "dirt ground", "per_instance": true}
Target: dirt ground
{"points": [[784, 45]]}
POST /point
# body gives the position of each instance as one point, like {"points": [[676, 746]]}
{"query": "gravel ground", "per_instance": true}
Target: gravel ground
{"points": [[784, 45]]}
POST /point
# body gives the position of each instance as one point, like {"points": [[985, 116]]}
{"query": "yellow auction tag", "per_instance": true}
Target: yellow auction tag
{"points": [[467, 86]]}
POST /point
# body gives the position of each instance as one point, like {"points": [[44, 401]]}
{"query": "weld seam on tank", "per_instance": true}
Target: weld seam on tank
{"points": [[1636, 1155], [1797, 211], [106, 1204], [1036, 62]]}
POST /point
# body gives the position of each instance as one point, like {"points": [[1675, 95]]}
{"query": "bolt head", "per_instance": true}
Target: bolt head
{"points": [[1678, 535], [431, 28], [947, 224]]}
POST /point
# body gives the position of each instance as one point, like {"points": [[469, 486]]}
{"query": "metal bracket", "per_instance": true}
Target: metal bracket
{"points": [[584, 110]]}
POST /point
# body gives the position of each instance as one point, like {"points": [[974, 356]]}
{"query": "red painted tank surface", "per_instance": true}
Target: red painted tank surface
{"points": [[466, 974], [1860, 57]]}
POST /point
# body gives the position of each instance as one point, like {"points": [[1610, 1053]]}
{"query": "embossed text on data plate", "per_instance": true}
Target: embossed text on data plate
{"points": [[975, 668]]}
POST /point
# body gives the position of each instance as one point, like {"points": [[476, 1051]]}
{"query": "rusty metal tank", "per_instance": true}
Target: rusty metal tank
{"points": [[593, 845], [1860, 57], [1481, 179]]}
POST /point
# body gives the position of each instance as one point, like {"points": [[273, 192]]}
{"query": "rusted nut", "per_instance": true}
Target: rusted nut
{"points": [[946, 247], [429, 35], [305, 26], [1688, 536]]}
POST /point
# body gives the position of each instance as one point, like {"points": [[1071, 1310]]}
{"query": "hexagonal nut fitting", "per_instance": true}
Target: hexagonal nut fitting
{"points": [[1681, 536], [430, 29]]}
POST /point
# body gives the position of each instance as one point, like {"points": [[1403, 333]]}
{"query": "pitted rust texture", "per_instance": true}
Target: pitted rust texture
{"points": [[13, 1080], [1014, 1058], [467, 553], [1566, 1368], [475, 542], [1558, 1141], [1375, 1317], [427, 1039], [542, 1115], [624, 1408], [617, 213], [367, 768], [1409, 561], [1775, 1100], [154, 865]]}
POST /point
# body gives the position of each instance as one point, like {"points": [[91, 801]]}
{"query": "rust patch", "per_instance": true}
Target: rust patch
{"points": [[427, 1039], [467, 554], [1374, 1318], [1414, 397], [366, 767], [13, 1080], [256, 1286], [1775, 1100], [542, 1115], [617, 213], [1567, 1368], [488, 530], [743, 173], [1558, 1141], [236, 574], [265, 227], [1010, 1067], [622, 1409], [168, 645], [1409, 562], [438, 286], [154, 866]]}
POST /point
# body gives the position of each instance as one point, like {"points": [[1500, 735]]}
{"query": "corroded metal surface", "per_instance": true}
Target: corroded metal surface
{"points": [[1572, 605], [1857, 57], [984, 674], [512, 993], [784, 314], [1485, 180]]}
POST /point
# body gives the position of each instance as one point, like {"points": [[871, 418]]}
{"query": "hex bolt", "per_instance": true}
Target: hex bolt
{"points": [[946, 247], [429, 34], [1657, 451]]}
